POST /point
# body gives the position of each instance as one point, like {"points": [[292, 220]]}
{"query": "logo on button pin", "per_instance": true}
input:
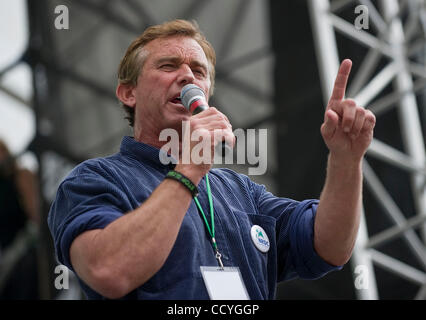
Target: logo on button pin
{"points": [[260, 238]]}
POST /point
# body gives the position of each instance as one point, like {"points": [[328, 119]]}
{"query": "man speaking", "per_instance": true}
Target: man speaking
{"points": [[133, 227]]}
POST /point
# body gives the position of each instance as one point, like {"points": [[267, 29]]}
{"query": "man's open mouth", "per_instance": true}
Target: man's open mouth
{"points": [[176, 101]]}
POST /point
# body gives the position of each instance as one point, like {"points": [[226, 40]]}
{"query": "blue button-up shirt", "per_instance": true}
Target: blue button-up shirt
{"points": [[99, 191]]}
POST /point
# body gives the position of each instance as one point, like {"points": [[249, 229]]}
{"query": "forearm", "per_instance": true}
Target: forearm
{"points": [[133, 248], [339, 210]]}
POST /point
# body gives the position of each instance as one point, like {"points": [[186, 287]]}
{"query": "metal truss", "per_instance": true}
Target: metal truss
{"points": [[396, 36]]}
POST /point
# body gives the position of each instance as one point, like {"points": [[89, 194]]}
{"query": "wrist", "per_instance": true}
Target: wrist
{"points": [[184, 180], [342, 170], [194, 174], [345, 162]]}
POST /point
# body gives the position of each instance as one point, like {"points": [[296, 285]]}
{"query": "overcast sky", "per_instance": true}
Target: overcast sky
{"points": [[17, 126]]}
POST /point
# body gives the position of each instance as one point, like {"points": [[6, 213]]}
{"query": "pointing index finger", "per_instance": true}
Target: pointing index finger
{"points": [[341, 80]]}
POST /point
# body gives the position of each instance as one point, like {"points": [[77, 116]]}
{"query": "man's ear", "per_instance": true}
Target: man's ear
{"points": [[126, 94]]}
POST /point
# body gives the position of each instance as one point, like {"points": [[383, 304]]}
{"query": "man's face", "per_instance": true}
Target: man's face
{"points": [[171, 63]]}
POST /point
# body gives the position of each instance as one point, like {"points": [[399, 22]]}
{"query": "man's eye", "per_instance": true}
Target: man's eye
{"points": [[167, 66], [200, 72]]}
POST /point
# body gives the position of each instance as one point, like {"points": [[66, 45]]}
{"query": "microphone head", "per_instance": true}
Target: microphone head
{"points": [[193, 98]]}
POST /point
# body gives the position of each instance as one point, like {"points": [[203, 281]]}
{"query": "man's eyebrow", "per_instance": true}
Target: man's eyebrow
{"points": [[196, 63], [177, 59], [174, 59]]}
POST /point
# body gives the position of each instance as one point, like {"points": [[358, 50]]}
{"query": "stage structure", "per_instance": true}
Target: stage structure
{"points": [[390, 77]]}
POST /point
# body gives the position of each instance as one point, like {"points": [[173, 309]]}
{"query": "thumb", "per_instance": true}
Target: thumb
{"points": [[328, 128]]}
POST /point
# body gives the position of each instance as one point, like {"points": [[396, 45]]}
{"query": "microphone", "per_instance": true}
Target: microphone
{"points": [[194, 100]]}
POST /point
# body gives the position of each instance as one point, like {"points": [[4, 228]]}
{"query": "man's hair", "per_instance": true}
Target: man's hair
{"points": [[132, 63]]}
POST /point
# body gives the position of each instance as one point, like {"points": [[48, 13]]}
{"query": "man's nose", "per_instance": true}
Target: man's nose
{"points": [[185, 74]]}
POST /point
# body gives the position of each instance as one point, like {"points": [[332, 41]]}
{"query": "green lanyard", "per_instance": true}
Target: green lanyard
{"points": [[210, 230]]}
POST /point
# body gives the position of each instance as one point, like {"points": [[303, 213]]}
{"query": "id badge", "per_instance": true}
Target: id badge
{"points": [[224, 283]]}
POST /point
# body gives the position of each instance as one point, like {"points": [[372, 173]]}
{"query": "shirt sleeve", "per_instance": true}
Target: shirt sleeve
{"points": [[294, 235], [82, 203]]}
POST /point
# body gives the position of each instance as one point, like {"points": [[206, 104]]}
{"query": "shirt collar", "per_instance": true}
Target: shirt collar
{"points": [[147, 153]]}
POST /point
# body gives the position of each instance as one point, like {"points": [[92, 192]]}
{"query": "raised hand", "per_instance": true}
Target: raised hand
{"points": [[347, 129]]}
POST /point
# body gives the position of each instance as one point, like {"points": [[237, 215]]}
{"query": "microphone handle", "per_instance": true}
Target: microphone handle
{"points": [[226, 149], [199, 109], [224, 146]]}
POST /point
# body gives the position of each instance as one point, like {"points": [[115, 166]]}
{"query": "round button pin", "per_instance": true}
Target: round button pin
{"points": [[260, 238]]}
